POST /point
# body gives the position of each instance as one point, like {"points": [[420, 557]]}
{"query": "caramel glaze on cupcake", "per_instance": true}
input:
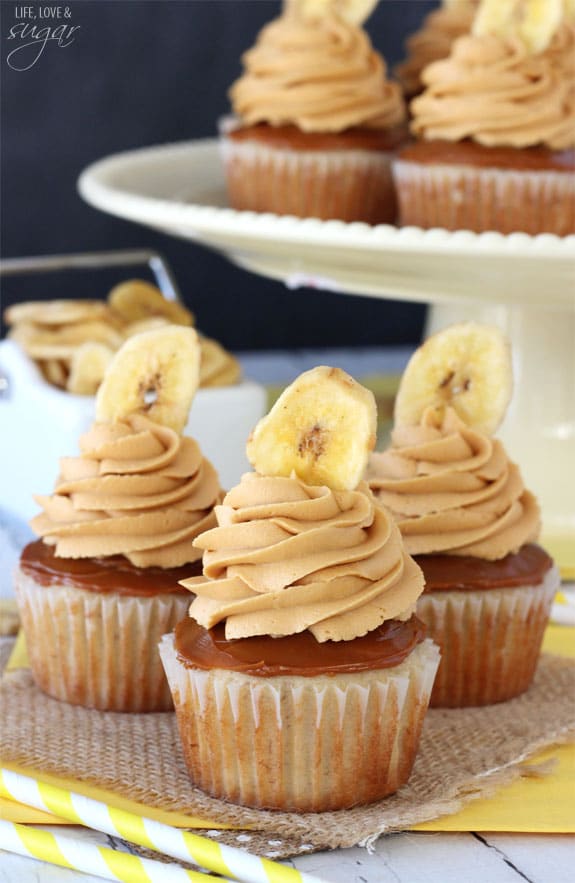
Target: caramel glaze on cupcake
{"points": [[101, 575], [471, 526], [316, 123], [495, 139], [299, 654], [470, 153], [291, 137]]}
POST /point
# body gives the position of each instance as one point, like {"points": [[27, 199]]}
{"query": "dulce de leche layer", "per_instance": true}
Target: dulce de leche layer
{"points": [[445, 573], [292, 138], [300, 654], [469, 153], [115, 574]]}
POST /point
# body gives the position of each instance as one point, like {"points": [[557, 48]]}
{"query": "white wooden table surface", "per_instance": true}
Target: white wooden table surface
{"points": [[411, 857], [398, 858]]}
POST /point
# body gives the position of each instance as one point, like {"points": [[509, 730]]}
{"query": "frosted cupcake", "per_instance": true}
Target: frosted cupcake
{"points": [[301, 677], [466, 517], [433, 41], [495, 128], [316, 122], [100, 586]]}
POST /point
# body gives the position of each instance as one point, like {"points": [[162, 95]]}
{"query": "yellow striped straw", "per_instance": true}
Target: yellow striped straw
{"points": [[100, 861], [182, 845]]}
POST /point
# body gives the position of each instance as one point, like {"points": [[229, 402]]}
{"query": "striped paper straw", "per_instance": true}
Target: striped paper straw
{"points": [[183, 845], [100, 861]]}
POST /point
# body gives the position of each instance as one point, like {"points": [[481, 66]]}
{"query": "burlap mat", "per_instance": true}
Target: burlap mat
{"points": [[464, 754]]}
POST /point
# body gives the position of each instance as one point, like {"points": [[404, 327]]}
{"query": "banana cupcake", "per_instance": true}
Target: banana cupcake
{"points": [[495, 127], [433, 41], [316, 121], [301, 676], [466, 517], [100, 587]]}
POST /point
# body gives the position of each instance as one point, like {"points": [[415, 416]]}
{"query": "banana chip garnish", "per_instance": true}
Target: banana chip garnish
{"points": [[155, 373], [466, 367], [534, 22], [353, 11], [322, 428]]}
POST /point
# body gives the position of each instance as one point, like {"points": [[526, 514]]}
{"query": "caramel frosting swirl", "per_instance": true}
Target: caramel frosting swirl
{"points": [[453, 490], [433, 41], [138, 489], [496, 92], [287, 557], [321, 75]]}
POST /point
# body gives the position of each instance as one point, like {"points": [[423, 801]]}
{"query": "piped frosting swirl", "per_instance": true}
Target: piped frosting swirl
{"points": [[453, 490], [496, 92], [433, 41], [138, 489], [287, 557], [321, 75]]}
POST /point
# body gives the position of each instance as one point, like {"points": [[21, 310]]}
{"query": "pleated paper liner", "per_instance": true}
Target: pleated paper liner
{"points": [[480, 199], [98, 649], [465, 754], [338, 740], [490, 641], [347, 185]]}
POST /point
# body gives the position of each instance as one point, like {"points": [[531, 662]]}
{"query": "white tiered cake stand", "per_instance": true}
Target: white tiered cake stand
{"points": [[524, 284]]}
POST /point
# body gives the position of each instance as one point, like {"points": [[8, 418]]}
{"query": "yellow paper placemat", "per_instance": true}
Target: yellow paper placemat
{"points": [[542, 804]]}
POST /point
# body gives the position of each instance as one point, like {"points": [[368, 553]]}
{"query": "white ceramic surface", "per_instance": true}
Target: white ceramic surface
{"points": [[40, 423], [179, 189]]}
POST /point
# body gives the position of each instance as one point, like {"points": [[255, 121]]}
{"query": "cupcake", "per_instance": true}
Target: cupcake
{"points": [[301, 676], [466, 517], [495, 129], [100, 587], [433, 41], [316, 122]]}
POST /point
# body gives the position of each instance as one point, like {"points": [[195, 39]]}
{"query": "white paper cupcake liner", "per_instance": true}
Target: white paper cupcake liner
{"points": [[482, 199], [297, 743], [98, 650], [490, 640], [348, 185]]}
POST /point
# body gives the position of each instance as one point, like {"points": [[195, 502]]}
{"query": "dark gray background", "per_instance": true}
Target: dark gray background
{"points": [[144, 72]]}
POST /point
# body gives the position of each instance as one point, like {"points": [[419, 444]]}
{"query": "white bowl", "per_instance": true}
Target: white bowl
{"points": [[40, 423]]}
